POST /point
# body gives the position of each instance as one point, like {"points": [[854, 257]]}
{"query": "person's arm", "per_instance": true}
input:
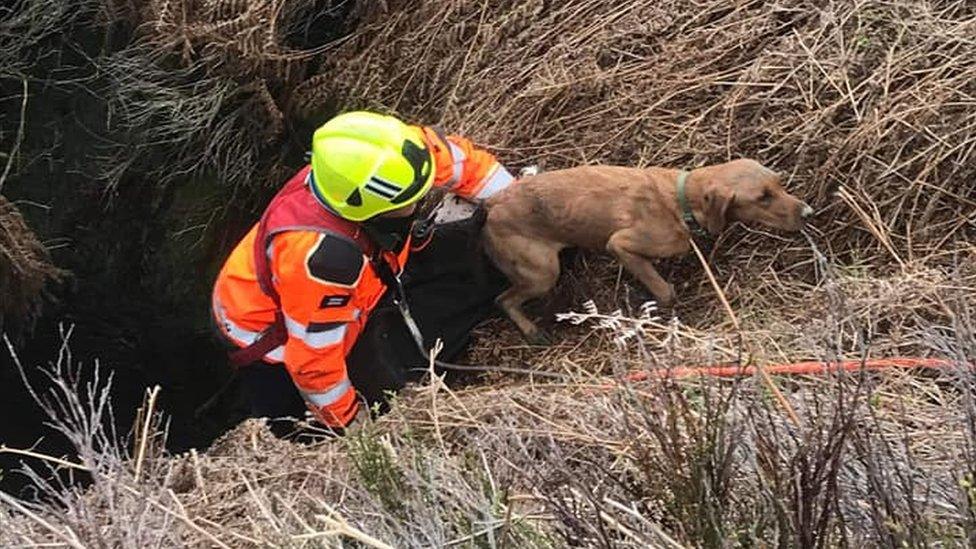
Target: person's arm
{"points": [[316, 275], [464, 169]]}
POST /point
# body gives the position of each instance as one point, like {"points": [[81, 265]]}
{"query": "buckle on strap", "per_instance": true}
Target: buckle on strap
{"points": [[421, 233]]}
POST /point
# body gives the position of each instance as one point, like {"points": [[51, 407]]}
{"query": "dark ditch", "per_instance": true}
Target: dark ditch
{"points": [[142, 258]]}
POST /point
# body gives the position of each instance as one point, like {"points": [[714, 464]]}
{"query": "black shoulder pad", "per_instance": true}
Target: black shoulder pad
{"points": [[336, 260]]}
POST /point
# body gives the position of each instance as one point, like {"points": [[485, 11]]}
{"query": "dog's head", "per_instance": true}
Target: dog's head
{"points": [[745, 190]]}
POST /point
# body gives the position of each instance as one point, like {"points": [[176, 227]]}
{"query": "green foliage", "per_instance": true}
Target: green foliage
{"points": [[378, 469]]}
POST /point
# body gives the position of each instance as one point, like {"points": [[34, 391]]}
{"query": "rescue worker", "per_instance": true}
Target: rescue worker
{"points": [[298, 291]]}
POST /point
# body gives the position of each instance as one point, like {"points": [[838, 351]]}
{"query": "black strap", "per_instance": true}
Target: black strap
{"points": [[385, 272], [422, 231], [270, 339], [400, 300]]}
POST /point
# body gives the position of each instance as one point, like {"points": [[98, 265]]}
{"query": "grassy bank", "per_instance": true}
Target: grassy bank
{"points": [[868, 107]]}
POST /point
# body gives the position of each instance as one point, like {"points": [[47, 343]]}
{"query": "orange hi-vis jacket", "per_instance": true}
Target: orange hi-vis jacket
{"points": [[326, 284]]}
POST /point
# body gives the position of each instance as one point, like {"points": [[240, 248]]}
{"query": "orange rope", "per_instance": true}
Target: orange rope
{"points": [[799, 368]]}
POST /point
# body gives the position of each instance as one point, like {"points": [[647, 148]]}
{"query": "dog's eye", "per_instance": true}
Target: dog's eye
{"points": [[766, 197]]}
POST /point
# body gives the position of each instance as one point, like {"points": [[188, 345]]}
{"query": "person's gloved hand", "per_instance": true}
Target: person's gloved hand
{"points": [[312, 428]]}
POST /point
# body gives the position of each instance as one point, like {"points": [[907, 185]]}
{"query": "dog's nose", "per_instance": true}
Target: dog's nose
{"points": [[807, 211]]}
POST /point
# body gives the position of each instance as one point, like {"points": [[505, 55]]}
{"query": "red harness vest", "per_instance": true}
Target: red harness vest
{"points": [[293, 208]]}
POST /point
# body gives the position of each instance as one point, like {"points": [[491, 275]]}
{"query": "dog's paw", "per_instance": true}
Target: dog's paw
{"points": [[667, 298]]}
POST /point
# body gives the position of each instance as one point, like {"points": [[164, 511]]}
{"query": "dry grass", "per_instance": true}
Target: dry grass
{"points": [[25, 269], [250, 488], [875, 458], [878, 97], [883, 459], [27, 24], [26, 29], [869, 107], [204, 87]]}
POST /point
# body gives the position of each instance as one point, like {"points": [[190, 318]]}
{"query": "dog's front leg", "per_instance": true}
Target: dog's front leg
{"points": [[510, 301], [532, 267], [629, 252]]}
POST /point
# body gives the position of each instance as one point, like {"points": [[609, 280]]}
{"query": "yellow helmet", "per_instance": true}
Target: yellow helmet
{"points": [[365, 164]]}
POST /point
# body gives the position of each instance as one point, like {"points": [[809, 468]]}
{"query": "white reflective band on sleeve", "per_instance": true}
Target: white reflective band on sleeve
{"points": [[316, 339], [241, 336], [458, 157], [329, 397], [295, 328], [497, 180], [457, 153]]}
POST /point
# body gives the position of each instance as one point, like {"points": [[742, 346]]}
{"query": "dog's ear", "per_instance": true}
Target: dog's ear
{"points": [[716, 208]]}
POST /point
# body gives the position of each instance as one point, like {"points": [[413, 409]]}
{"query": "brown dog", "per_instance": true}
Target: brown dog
{"points": [[632, 213]]}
